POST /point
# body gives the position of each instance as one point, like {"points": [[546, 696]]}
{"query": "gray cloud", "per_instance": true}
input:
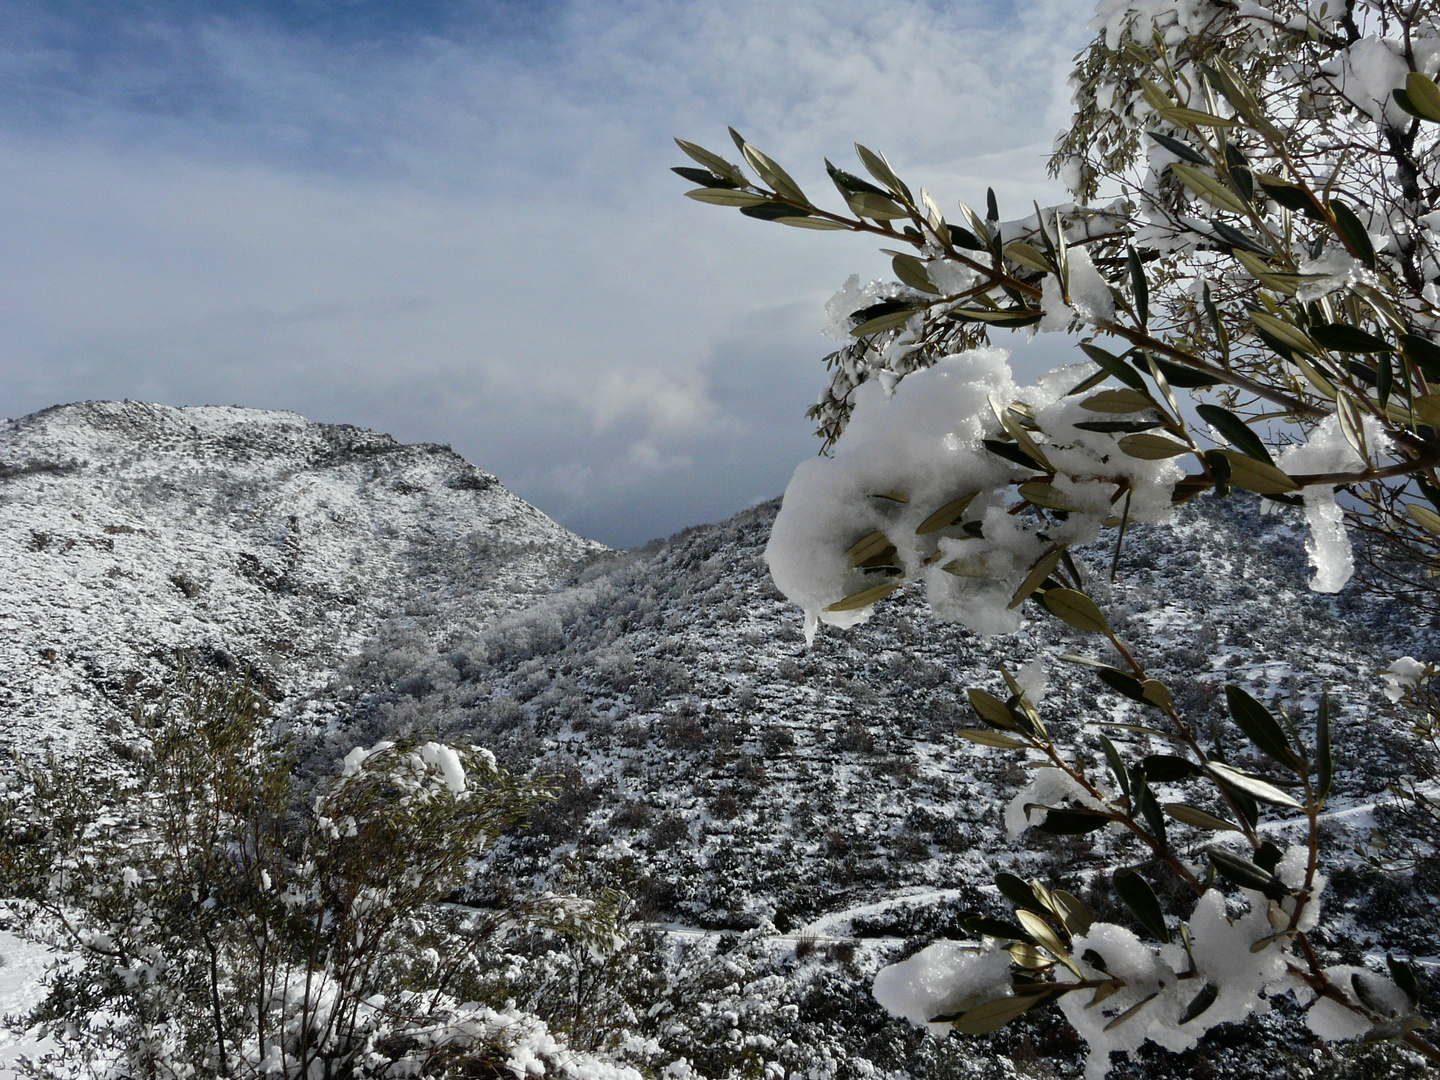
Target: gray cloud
{"points": [[467, 233]]}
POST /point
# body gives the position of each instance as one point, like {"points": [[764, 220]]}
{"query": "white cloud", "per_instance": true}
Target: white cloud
{"points": [[475, 239]]}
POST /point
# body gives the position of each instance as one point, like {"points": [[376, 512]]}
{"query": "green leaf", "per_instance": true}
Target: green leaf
{"points": [[1139, 287], [1324, 760], [879, 167], [1119, 427], [868, 545], [1119, 401], [1199, 819], [1043, 933], [1292, 337], [1202, 1001], [726, 197], [1234, 238], [1246, 874], [1140, 898], [1352, 424], [865, 597], [1208, 188], [1187, 378], [1404, 976], [1423, 353], [1235, 431], [1152, 447], [1011, 452], [996, 928], [880, 323], [1252, 786], [1069, 822], [1342, 337], [1012, 317], [1122, 683], [704, 177], [912, 272], [1113, 365], [1148, 806], [778, 179], [1018, 892], [805, 221], [993, 1015], [1427, 409], [1168, 768], [1261, 728], [1117, 766], [1240, 174], [962, 237], [1026, 255], [1256, 476], [1075, 609], [1131, 1011], [998, 740], [1291, 196], [848, 183], [1040, 493], [990, 708], [1423, 97], [1353, 233], [1180, 149], [1038, 573], [946, 516], [1428, 519], [773, 211], [714, 162], [876, 207], [1183, 117]]}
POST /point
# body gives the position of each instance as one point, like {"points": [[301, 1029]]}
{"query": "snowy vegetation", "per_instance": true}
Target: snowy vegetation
{"points": [[1089, 751], [1270, 244]]}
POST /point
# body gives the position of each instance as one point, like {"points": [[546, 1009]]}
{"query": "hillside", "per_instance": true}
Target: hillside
{"points": [[130, 533], [786, 819]]}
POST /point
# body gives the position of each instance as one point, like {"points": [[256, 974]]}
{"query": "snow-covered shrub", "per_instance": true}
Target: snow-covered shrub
{"points": [[1258, 223], [212, 922]]}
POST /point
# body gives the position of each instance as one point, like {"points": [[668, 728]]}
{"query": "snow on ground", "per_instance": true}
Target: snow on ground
{"points": [[22, 964], [129, 532]]}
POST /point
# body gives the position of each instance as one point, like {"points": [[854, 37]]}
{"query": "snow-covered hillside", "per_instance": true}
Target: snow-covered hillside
{"points": [[792, 817], [130, 533]]}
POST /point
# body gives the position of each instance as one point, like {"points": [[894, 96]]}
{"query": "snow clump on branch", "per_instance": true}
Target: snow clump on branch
{"points": [[910, 453]]}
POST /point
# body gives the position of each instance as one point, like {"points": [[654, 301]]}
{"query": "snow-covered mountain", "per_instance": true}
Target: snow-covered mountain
{"points": [[710, 764], [133, 533]]}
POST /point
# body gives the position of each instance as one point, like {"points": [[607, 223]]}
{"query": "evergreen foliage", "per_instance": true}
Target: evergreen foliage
{"points": [[215, 921], [1270, 246]]}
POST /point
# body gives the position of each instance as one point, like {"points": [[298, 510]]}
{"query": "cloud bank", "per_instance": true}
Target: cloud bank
{"points": [[455, 222]]}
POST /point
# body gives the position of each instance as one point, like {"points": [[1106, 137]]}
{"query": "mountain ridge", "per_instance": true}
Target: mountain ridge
{"points": [[257, 539]]}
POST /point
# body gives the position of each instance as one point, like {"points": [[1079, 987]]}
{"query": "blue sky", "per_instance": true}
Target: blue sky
{"points": [[455, 221]]}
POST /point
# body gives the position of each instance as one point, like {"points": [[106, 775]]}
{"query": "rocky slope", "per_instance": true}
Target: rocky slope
{"points": [[793, 817], [133, 533]]}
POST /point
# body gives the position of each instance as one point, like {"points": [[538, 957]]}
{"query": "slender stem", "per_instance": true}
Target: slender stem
{"points": [[1292, 405]]}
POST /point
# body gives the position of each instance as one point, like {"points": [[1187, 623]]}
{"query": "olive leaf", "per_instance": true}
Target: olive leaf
{"points": [[865, 597], [1246, 874], [1140, 898], [1199, 819], [1235, 431], [1261, 728], [1252, 786], [1075, 609], [995, 739], [1199, 1003]]}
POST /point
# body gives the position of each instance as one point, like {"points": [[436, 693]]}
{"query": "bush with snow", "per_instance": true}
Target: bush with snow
{"points": [[1257, 222], [210, 925]]}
